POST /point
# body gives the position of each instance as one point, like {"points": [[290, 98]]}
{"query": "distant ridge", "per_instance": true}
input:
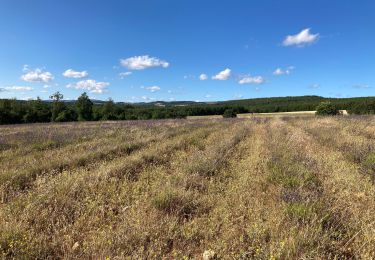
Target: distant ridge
{"points": [[270, 104]]}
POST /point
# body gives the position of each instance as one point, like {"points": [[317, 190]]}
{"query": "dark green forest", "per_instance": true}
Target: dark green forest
{"points": [[56, 109]]}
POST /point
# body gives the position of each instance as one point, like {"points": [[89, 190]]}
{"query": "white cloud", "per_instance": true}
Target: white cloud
{"points": [[125, 74], [143, 62], [256, 80], [280, 71], [18, 88], [90, 85], [75, 74], [203, 77], [223, 75], [301, 39], [208, 96], [37, 75], [153, 88]]}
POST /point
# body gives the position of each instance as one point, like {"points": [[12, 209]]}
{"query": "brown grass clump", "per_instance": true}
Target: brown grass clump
{"points": [[259, 188]]}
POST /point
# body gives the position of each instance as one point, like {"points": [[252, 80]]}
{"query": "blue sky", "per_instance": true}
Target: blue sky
{"points": [[186, 50]]}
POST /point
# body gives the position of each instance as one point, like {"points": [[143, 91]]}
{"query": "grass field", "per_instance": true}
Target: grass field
{"points": [[258, 188]]}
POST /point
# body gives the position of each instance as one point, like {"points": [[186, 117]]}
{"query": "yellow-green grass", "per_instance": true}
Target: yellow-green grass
{"points": [[257, 188]]}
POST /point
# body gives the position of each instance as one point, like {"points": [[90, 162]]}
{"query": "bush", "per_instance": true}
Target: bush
{"points": [[327, 109], [229, 113]]}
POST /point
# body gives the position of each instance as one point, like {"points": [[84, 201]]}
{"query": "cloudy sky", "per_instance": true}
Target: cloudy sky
{"points": [[187, 49]]}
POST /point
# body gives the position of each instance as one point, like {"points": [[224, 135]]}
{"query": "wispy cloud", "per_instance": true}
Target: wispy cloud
{"points": [[363, 86], [143, 62], [25, 68], [125, 74], [314, 86], [189, 77], [222, 75], [301, 39], [17, 88]]}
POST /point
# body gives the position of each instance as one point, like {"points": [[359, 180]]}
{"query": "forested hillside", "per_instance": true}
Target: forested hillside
{"points": [[57, 110]]}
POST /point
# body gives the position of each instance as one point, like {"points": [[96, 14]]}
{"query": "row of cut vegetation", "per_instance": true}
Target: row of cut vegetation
{"points": [[261, 188]]}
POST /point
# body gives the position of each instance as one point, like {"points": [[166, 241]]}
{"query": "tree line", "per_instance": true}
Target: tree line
{"points": [[14, 111]]}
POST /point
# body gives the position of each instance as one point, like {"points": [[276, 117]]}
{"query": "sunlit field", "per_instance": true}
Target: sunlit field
{"points": [[257, 188]]}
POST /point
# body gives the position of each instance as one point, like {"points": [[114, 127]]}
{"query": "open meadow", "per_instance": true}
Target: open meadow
{"points": [[257, 188]]}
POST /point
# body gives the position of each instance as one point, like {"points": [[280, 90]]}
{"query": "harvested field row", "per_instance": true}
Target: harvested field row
{"points": [[260, 188]]}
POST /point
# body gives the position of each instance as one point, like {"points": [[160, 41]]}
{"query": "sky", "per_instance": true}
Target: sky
{"points": [[198, 50]]}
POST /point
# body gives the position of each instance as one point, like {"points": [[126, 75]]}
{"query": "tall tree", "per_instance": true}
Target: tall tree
{"points": [[57, 106], [84, 108], [109, 110]]}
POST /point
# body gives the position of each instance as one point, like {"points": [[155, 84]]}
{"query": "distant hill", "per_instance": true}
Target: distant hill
{"points": [[271, 104]]}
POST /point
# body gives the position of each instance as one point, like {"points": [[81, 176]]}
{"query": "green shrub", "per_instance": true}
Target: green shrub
{"points": [[327, 109], [229, 113]]}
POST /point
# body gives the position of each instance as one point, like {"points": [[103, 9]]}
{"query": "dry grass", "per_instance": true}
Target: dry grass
{"points": [[260, 188]]}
